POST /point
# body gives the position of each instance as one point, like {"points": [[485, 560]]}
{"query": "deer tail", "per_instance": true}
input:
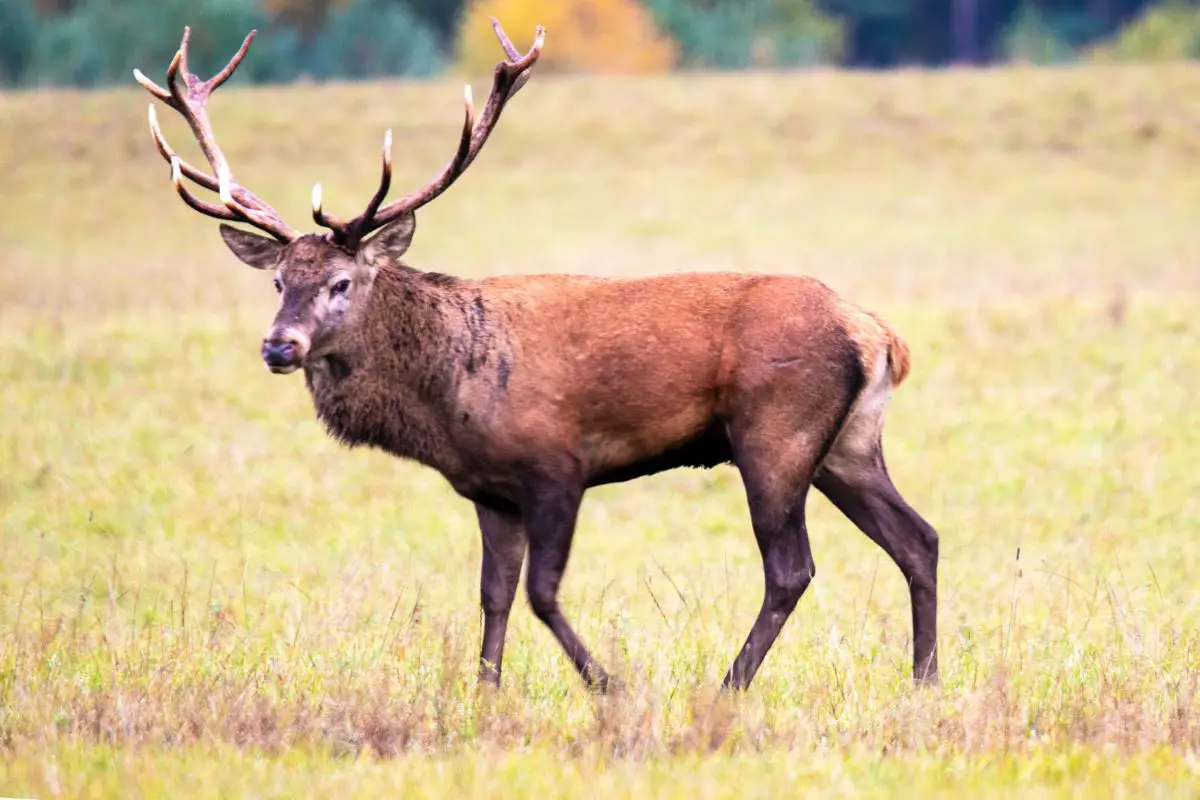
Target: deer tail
{"points": [[899, 358]]}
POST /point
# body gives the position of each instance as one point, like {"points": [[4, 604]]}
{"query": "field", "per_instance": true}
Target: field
{"points": [[203, 596]]}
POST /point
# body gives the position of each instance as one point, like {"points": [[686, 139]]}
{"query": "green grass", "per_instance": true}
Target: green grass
{"points": [[204, 596]]}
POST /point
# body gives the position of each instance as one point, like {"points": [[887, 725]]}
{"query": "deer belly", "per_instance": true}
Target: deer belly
{"points": [[613, 458]]}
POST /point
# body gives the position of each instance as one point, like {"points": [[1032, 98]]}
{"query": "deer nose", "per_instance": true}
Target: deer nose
{"points": [[280, 354]]}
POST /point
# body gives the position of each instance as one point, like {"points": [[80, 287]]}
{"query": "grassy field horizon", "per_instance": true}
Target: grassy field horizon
{"points": [[204, 595]]}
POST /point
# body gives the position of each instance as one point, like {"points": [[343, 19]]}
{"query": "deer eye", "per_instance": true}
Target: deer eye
{"points": [[278, 286], [341, 287]]}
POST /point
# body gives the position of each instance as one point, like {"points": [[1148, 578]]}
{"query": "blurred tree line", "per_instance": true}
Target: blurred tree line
{"points": [[98, 42]]}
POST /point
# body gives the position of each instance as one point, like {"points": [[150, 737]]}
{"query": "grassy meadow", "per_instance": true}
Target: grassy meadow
{"points": [[203, 596]]}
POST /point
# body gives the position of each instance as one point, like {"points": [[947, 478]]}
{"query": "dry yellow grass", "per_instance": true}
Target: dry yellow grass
{"points": [[202, 595]]}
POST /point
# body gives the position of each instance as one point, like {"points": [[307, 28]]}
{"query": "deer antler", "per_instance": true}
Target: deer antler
{"points": [[238, 204], [510, 76]]}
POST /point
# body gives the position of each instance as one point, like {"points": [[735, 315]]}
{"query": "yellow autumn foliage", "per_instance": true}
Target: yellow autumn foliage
{"points": [[604, 36]]}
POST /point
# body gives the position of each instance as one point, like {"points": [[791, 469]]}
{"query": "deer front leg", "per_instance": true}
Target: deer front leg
{"points": [[503, 552], [550, 511]]}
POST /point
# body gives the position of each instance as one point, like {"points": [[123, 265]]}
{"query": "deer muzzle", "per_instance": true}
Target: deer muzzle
{"points": [[284, 351]]}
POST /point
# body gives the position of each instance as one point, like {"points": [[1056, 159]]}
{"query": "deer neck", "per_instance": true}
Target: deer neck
{"points": [[391, 383]]}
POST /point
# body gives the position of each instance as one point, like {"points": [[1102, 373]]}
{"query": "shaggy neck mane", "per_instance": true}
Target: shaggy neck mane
{"points": [[391, 381]]}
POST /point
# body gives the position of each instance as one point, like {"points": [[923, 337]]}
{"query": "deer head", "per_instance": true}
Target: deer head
{"points": [[324, 280]]}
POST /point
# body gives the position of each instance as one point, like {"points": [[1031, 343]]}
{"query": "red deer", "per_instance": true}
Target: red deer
{"points": [[525, 391]]}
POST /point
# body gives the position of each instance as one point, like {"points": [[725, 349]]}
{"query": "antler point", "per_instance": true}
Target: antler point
{"points": [[153, 116], [224, 189]]}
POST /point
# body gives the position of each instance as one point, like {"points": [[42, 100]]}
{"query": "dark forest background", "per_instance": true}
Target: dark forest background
{"points": [[98, 42]]}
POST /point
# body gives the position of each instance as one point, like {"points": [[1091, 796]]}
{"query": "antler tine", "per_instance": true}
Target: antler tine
{"points": [[240, 194], [510, 49], [217, 80], [515, 55], [180, 60], [385, 178], [364, 223], [204, 207], [238, 203], [230, 210], [152, 87], [342, 229], [202, 178], [319, 215], [508, 79]]}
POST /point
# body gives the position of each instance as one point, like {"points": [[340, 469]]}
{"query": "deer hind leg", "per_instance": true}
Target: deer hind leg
{"points": [[855, 479], [503, 552], [788, 569], [776, 471], [871, 501]]}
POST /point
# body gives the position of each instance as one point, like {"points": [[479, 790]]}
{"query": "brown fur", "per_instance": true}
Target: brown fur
{"points": [[523, 391], [471, 377]]}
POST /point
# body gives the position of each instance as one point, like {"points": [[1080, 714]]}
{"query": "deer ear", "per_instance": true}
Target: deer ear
{"points": [[392, 241], [258, 251]]}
